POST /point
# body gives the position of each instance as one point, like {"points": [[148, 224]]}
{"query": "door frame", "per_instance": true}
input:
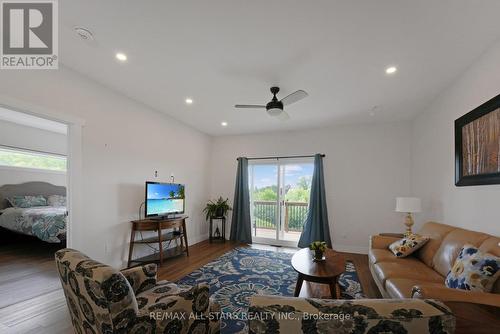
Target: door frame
{"points": [[74, 184], [280, 180]]}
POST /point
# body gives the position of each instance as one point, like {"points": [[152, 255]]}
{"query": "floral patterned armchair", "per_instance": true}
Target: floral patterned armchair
{"points": [[104, 300], [276, 314]]}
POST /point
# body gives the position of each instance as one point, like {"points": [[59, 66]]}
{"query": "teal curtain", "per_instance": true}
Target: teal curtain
{"points": [[316, 223], [241, 227]]}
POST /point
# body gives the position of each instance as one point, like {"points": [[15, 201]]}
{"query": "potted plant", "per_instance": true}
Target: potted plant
{"points": [[319, 248], [216, 209]]}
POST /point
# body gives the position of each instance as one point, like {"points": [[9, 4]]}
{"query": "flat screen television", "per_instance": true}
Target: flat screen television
{"points": [[163, 199]]}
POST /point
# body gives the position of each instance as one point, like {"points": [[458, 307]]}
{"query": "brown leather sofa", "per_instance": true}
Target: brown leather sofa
{"points": [[422, 274]]}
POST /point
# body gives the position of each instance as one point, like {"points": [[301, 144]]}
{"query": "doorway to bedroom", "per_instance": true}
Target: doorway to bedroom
{"points": [[34, 216], [33, 178]]}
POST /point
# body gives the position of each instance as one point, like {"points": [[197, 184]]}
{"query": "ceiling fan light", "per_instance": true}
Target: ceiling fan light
{"points": [[274, 111]]}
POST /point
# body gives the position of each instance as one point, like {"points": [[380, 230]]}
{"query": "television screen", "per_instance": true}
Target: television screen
{"points": [[164, 198]]}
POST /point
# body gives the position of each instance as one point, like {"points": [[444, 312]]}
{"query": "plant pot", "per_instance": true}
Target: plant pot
{"points": [[318, 255], [219, 212]]}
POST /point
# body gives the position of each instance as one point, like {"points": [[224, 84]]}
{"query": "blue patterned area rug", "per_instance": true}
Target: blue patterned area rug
{"points": [[243, 272]]}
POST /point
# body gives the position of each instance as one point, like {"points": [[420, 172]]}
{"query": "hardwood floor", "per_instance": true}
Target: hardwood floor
{"points": [[31, 298], [32, 301]]}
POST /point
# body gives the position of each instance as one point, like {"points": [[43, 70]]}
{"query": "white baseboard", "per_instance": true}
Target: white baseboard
{"points": [[196, 239], [351, 249]]}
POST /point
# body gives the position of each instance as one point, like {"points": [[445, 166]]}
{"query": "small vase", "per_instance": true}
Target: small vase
{"points": [[318, 255]]}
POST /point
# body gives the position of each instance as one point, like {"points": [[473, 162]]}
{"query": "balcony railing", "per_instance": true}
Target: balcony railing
{"points": [[265, 214]]}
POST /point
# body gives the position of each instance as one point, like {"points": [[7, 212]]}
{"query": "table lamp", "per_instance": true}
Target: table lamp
{"points": [[408, 205]]}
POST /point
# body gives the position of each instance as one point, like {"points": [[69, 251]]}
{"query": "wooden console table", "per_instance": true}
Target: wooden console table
{"points": [[178, 231]]}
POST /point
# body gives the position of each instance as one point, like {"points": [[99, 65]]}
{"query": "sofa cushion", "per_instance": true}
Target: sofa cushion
{"points": [[278, 314], [27, 201], [417, 271], [452, 244], [492, 246], [401, 287], [165, 292], [436, 233], [385, 255], [473, 270], [161, 290], [408, 245]]}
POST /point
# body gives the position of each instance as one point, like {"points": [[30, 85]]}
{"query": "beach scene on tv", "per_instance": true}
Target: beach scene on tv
{"points": [[164, 198]]}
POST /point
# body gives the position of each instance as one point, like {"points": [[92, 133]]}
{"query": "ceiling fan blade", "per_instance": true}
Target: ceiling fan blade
{"points": [[249, 106], [294, 97], [283, 116]]}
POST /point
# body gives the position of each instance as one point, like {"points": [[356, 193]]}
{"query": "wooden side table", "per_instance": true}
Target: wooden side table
{"points": [[178, 227], [325, 272], [222, 236]]}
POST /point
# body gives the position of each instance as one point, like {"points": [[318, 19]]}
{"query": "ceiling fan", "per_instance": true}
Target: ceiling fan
{"points": [[275, 107]]}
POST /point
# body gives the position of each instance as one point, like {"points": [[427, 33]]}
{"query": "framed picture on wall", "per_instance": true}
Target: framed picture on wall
{"points": [[477, 145]]}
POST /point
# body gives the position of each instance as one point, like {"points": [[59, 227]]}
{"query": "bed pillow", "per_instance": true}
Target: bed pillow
{"points": [[408, 245], [473, 270], [56, 200], [27, 201]]}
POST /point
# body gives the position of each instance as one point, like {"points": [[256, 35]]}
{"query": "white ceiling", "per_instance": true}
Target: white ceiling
{"points": [[225, 52]]}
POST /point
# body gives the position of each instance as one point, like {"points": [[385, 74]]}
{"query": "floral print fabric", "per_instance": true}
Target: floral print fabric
{"points": [[407, 245], [473, 270], [102, 300], [27, 201], [56, 200], [271, 314], [47, 223]]}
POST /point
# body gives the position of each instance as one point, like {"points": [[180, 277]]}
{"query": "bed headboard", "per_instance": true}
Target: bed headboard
{"points": [[28, 188]]}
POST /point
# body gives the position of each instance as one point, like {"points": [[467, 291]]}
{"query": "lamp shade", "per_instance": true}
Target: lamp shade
{"points": [[408, 204]]}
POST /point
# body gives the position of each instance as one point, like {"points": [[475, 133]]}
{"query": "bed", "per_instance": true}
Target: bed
{"points": [[47, 223]]}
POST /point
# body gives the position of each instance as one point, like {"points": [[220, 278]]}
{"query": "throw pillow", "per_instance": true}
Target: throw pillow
{"points": [[27, 201], [408, 245], [473, 270], [56, 200]]}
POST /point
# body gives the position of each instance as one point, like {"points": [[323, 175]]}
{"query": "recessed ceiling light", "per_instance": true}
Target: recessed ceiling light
{"points": [[391, 70], [223, 123], [189, 101], [121, 56]]}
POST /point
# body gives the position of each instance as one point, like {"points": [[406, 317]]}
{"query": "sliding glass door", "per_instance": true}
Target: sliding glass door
{"points": [[279, 198]]}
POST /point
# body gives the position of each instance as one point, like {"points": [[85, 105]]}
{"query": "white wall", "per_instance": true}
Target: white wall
{"points": [[30, 138], [366, 168], [476, 207], [124, 142]]}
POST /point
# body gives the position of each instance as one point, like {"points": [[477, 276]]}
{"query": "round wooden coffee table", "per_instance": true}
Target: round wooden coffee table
{"points": [[325, 272]]}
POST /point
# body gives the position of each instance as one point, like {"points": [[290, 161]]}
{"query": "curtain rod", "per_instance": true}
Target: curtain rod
{"points": [[286, 157]]}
